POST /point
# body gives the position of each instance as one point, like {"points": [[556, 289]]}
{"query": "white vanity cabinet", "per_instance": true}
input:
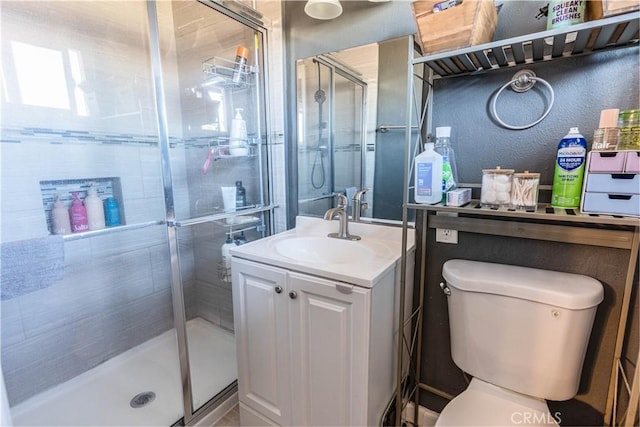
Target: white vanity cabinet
{"points": [[313, 351]]}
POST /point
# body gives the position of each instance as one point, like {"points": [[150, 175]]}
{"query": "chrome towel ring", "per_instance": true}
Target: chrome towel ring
{"points": [[522, 81]]}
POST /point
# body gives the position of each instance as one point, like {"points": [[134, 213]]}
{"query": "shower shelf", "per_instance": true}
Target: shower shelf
{"points": [[110, 230], [252, 210], [219, 72]]}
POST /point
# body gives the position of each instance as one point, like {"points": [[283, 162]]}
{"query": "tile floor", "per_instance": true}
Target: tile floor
{"points": [[230, 419]]}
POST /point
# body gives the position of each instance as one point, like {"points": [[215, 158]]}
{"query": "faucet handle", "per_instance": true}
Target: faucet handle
{"points": [[342, 200]]}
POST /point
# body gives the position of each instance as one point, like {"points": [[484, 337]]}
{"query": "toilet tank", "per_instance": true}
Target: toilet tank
{"points": [[521, 328]]}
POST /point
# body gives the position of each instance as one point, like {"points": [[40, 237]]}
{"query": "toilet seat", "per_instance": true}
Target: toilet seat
{"points": [[484, 404]]}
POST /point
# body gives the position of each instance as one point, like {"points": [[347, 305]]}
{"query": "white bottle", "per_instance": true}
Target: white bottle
{"points": [[226, 258], [238, 135], [95, 209], [428, 176], [60, 218]]}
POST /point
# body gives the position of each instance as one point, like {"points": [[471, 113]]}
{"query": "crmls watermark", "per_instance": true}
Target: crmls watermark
{"points": [[535, 418]]}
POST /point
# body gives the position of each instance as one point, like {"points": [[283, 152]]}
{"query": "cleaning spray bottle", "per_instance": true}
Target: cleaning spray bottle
{"points": [[569, 170]]}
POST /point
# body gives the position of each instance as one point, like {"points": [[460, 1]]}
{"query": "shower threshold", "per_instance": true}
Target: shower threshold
{"points": [[102, 396]]}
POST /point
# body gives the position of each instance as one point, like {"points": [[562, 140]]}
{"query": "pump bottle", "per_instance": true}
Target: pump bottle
{"points": [[60, 218], [95, 209], [79, 222]]}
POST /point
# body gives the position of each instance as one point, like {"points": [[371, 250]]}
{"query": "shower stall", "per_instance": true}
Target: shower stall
{"points": [[331, 108], [129, 324]]}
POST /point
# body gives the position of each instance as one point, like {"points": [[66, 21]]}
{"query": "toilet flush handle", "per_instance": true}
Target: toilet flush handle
{"points": [[445, 289]]}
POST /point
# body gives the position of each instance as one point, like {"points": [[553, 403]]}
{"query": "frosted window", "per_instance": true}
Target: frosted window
{"points": [[41, 76]]}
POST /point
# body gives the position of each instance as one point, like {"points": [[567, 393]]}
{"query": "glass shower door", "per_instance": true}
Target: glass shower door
{"points": [[213, 77], [87, 324]]}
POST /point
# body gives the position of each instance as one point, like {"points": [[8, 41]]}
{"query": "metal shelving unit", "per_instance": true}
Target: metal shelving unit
{"points": [[544, 223]]}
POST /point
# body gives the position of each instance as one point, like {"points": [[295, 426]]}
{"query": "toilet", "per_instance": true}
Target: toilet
{"points": [[522, 333]]}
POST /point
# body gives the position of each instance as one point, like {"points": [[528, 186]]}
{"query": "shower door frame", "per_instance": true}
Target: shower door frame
{"points": [[249, 18]]}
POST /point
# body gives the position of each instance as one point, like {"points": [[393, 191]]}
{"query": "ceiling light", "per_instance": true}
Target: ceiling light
{"points": [[323, 9]]}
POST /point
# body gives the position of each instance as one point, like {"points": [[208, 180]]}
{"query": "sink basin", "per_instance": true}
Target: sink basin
{"points": [[323, 250]]}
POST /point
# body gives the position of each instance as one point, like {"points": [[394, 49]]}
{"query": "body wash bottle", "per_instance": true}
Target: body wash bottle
{"points": [[79, 222], [95, 209], [60, 218]]}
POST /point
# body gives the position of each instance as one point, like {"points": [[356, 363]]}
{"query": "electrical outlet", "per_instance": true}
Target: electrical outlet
{"points": [[444, 235]]}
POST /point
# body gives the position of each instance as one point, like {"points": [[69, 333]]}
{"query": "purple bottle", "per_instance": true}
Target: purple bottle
{"points": [[79, 221]]}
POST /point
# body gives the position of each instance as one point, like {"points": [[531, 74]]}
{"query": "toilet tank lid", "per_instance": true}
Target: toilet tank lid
{"points": [[566, 290]]}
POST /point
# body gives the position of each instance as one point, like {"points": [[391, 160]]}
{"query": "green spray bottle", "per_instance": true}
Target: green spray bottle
{"points": [[569, 170]]}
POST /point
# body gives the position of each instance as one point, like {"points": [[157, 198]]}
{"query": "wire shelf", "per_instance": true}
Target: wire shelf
{"points": [[221, 72]]}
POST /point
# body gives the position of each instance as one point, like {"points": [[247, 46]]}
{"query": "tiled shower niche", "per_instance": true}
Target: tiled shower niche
{"points": [[64, 189]]}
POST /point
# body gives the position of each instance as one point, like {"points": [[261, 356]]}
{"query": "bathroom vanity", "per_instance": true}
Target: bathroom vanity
{"points": [[316, 324]]}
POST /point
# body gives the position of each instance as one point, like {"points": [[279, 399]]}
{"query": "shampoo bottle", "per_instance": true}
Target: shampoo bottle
{"points": [[111, 212], [241, 195], [569, 170], [428, 176], [60, 218], [238, 135], [79, 222], [95, 209], [226, 258], [449, 169]]}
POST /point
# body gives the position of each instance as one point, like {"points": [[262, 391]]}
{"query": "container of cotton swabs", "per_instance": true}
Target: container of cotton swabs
{"points": [[524, 190]]}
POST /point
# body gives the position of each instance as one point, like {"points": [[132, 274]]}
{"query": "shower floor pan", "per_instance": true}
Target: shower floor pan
{"points": [[103, 395]]}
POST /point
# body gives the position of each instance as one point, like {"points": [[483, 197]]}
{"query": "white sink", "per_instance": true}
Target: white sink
{"points": [[308, 249], [323, 250]]}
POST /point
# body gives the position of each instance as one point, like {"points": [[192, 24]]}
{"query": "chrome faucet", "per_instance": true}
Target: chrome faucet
{"points": [[358, 205], [339, 211]]}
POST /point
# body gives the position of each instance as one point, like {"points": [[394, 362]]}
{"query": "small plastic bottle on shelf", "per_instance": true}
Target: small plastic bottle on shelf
{"points": [[606, 136], [95, 209], [60, 218], [111, 212], [449, 168], [79, 221], [226, 258], [241, 195], [428, 176]]}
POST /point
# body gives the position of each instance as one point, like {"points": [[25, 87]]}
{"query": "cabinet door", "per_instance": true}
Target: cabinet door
{"points": [[260, 313], [329, 339]]}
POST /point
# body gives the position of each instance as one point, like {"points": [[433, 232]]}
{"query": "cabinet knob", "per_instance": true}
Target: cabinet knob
{"points": [[278, 289], [293, 295]]}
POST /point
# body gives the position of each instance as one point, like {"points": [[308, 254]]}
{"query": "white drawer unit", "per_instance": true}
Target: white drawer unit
{"points": [[612, 183]]}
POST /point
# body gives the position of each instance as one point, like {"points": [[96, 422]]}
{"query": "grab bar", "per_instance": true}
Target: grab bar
{"points": [[313, 199]]}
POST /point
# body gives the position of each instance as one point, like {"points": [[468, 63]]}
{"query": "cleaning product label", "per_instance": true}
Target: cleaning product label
{"points": [[569, 171], [564, 13], [424, 184]]}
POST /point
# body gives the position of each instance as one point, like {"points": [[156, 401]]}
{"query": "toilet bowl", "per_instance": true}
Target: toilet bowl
{"points": [[522, 333], [484, 404]]}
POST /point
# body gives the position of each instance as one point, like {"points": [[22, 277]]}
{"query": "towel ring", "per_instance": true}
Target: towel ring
{"points": [[522, 81]]}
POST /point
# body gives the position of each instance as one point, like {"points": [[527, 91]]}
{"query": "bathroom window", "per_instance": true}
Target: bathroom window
{"points": [[41, 77]]}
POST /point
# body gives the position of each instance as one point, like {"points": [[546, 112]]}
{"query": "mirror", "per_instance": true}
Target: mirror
{"points": [[350, 108], [336, 123]]}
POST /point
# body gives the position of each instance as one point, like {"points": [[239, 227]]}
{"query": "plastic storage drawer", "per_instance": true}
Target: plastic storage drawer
{"points": [[632, 162], [616, 204], [613, 183], [611, 161]]}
